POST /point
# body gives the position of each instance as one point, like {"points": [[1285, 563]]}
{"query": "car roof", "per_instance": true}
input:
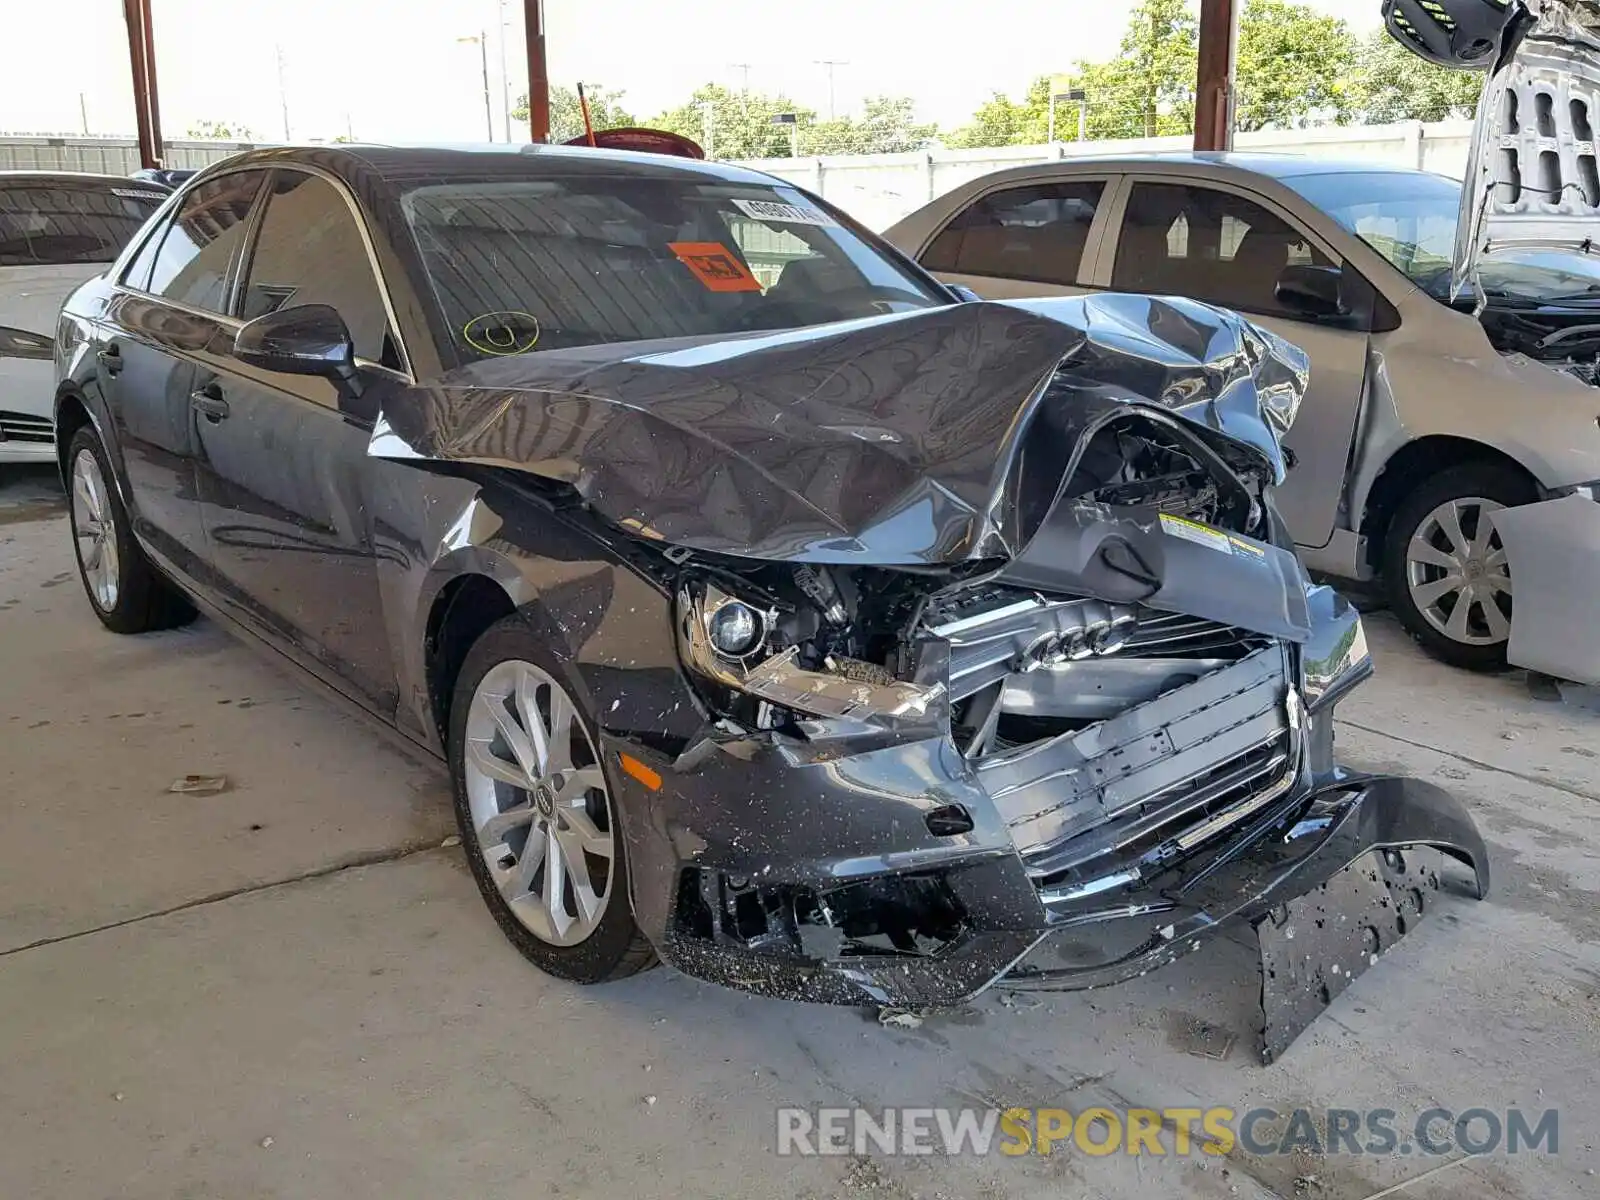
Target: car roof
{"points": [[1255, 162], [400, 165], [38, 177]]}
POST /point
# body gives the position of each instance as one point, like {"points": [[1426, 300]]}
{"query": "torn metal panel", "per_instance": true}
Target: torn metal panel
{"points": [[1553, 549]]}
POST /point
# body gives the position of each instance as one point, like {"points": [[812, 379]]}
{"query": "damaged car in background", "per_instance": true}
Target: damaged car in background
{"points": [[1525, 262], [778, 614]]}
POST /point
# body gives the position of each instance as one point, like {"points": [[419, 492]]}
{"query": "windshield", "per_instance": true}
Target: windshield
{"points": [[50, 223], [528, 265], [1409, 217]]}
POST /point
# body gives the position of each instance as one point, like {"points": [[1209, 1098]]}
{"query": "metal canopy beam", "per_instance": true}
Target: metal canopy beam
{"points": [[142, 60], [1214, 90], [538, 73]]}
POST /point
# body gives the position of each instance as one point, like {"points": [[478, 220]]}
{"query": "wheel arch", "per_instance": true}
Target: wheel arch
{"points": [[461, 611], [72, 414], [1408, 467]]}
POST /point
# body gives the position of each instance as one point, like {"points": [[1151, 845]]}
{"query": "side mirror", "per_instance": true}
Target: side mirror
{"points": [[309, 339], [1312, 291], [963, 293]]}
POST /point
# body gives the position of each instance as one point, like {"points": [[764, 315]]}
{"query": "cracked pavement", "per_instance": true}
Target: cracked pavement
{"points": [[289, 989]]}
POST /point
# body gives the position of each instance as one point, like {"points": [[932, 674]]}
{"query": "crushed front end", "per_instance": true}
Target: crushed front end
{"points": [[1056, 770], [960, 647]]}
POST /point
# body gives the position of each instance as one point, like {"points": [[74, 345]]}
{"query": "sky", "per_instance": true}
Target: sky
{"points": [[397, 69]]}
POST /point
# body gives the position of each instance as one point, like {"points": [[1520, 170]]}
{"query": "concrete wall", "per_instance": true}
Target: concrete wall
{"points": [[878, 189], [111, 156]]}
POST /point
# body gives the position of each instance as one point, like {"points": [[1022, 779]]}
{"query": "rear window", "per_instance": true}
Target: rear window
{"points": [[55, 223], [521, 266]]}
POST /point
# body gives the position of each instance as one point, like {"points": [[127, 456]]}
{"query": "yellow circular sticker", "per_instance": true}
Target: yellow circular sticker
{"points": [[505, 332]]}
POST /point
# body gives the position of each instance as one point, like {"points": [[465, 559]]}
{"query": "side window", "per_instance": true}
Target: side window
{"points": [[1184, 240], [1038, 232], [138, 273], [191, 265], [310, 251]]}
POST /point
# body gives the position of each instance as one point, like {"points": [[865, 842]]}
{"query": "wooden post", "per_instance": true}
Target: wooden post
{"points": [[538, 73], [1214, 97]]}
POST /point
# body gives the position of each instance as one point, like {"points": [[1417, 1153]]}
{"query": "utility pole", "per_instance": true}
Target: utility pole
{"points": [[831, 63], [744, 88], [283, 96], [83, 111], [708, 127], [505, 82]]}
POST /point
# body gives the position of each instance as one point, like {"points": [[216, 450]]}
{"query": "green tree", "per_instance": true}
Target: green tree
{"points": [[1146, 91], [222, 131], [888, 125], [566, 114], [1001, 121], [731, 124], [1295, 66], [1392, 84]]}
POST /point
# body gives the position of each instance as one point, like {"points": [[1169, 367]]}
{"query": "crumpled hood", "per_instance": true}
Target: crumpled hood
{"points": [[1532, 178], [895, 440]]}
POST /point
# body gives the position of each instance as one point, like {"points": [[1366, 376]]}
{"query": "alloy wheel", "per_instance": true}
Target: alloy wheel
{"points": [[1458, 574], [95, 531], [540, 806]]}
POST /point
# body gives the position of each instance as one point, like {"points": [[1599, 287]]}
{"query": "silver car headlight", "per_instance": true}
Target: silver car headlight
{"points": [[734, 642]]}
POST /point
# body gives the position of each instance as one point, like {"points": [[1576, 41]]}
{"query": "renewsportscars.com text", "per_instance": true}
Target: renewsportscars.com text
{"points": [[1160, 1132]]}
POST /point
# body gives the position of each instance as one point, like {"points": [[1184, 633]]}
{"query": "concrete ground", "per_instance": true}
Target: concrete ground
{"points": [[289, 989]]}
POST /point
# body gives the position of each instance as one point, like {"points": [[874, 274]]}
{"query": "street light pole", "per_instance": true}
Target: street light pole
{"points": [[483, 54], [831, 63]]}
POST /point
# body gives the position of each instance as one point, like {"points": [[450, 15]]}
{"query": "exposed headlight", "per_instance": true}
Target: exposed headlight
{"points": [[733, 642], [735, 629], [1589, 491]]}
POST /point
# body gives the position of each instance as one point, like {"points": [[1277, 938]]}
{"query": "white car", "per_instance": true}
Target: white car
{"points": [[56, 231], [1421, 421]]}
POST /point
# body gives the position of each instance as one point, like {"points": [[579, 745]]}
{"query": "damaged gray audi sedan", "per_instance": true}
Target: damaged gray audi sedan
{"points": [[778, 612]]}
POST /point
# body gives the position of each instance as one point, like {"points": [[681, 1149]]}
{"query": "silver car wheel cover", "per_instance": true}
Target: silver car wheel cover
{"points": [[94, 531], [539, 802], [1457, 572]]}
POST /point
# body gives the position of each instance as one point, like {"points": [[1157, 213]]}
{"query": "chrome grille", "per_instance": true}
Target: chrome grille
{"points": [[23, 427]]}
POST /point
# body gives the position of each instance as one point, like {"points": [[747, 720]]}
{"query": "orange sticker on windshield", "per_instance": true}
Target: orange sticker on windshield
{"points": [[715, 266]]}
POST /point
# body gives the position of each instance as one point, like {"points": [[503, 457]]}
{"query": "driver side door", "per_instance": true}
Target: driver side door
{"points": [[283, 471], [1207, 241]]}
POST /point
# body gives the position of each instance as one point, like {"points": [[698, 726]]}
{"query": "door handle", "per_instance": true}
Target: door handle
{"points": [[210, 403], [110, 358]]}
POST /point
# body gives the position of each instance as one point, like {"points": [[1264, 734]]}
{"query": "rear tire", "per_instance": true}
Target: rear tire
{"points": [[126, 591], [1444, 568], [526, 771]]}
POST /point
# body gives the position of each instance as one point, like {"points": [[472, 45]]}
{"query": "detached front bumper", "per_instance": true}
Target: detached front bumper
{"points": [[816, 810]]}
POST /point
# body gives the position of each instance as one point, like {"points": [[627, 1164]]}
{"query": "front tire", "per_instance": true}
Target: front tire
{"points": [[1445, 570], [125, 590], [537, 813]]}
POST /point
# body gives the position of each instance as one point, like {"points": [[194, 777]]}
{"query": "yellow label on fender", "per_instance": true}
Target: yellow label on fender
{"points": [[1193, 531]]}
